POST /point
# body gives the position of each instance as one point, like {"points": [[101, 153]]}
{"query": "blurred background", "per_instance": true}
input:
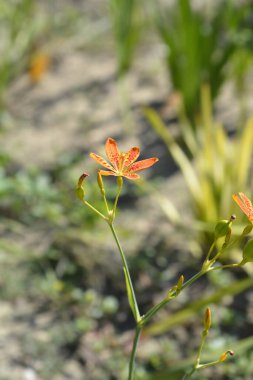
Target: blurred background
{"points": [[175, 78]]}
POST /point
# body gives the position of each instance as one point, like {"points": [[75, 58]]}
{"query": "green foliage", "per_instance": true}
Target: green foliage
{"points": [[126, 30], [220, 166], [199, 47]]}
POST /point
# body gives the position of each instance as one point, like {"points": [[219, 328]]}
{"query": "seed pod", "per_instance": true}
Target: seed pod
{"points": [[221, 228], [207, 319]]}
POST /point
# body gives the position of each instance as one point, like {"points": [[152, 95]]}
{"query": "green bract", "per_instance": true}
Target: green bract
{"points": [[80, 193]]}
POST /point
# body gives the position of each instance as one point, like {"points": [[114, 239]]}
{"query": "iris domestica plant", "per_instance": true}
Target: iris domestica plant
{"points": [[125, 165]]}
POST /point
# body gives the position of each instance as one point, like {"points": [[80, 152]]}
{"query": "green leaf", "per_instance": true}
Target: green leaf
{"points": [[177, 153], [244, 153], [130, 296]]}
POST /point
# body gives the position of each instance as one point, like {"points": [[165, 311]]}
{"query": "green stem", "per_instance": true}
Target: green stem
{"points": [[188, 375], [133, 353], [125, 266], [203, 338], [225, 266], [194, 278], [154, 310], [106, 204], [210, 251], [159, 306], [95, 210], [120, 184], [208, 364]]}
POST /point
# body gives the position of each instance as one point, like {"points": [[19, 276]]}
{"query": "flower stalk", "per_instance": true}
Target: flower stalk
{"points": [[125, 165]]}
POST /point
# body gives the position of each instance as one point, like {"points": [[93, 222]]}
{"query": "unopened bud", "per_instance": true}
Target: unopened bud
{"points": [[180, 283], [175, 290], [207, 319], [221, 228], [79, 188], [223, 357], [100, 183], [81, 179]]}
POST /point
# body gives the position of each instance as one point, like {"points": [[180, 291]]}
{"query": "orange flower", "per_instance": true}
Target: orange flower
{"points": [[122, 164], [38, 66], [245, 204]]}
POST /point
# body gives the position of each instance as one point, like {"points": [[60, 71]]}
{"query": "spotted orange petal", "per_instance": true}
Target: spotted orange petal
{"points": [[131, 176], [245, 204], [144, 164], [101, 161], [112, 152], [131, 156], [246, 201], [105, 172]]}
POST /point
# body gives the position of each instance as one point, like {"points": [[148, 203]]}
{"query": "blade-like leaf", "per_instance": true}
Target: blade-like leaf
{"points": [[130, 296]]}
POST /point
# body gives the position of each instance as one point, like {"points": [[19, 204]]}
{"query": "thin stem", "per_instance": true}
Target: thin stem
{"points": [[209, 364], [188, 375], [156, 308], [225, 266], [203, 338], [210, 251], [94, 209], [133, 353], [120, 184], [106, 204], [123, 258], [194, 278], [200, 366]]}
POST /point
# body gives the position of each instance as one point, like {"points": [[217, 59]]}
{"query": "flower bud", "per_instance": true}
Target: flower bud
{"points": [[221, 228], [207, 319], [79, 189], [223, 357], [81, 179], [180, 283], [100, 183]]}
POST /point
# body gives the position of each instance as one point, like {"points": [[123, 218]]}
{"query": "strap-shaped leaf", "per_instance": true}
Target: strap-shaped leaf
{"points": [[244, 153], [131, 299]]}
